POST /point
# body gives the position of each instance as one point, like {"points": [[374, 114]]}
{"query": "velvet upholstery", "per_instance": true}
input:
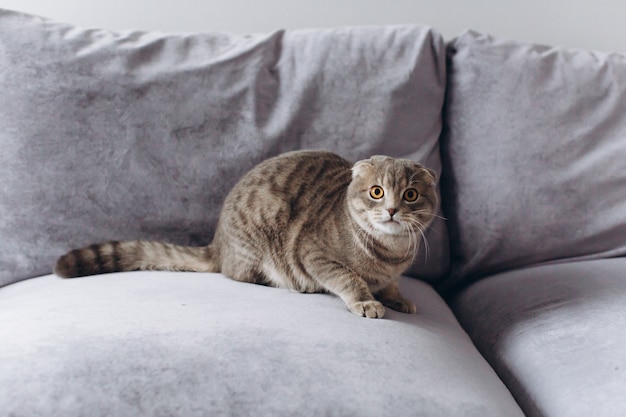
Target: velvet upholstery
{"points": [[534, 151], [555, 335], [139, 135], [184, 344]]}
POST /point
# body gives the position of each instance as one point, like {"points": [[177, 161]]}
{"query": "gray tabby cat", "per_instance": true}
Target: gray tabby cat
{"points": [[309, 221]]}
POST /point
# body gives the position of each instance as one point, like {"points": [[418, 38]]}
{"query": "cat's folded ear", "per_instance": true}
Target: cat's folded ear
{"points": [[427, 172], [361, 168], [432, 174]]}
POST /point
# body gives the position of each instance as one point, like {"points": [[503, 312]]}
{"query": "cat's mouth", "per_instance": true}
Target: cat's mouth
{"points": [[391, 222], [389, 226]]}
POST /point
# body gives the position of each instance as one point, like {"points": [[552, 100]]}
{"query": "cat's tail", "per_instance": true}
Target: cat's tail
{"points": [[137, 255]]}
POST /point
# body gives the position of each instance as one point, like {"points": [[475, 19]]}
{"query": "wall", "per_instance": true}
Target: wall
{"points": [[591, 24]]}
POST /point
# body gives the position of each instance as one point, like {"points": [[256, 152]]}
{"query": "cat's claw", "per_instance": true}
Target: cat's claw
{"points": [[369, 309]]}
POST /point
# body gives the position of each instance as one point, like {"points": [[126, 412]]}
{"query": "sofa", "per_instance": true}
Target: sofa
{"points": [[112, 135]]}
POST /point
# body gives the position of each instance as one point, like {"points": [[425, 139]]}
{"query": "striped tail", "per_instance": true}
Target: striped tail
{"points": [[136, 255]]}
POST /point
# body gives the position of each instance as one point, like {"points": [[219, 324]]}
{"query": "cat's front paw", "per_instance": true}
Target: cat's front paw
{"points": [[369, 309], [406, 306], [402, 305]]}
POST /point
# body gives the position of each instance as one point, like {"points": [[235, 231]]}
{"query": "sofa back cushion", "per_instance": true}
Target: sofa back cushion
{"points": [[534, 151], [127, 135]]}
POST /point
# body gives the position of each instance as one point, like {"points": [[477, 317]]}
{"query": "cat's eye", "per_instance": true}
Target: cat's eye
{"points": [[411, 195], [377, 192]]}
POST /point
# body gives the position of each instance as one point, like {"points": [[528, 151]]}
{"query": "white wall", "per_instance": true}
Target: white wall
{"points": [[590, 24]]}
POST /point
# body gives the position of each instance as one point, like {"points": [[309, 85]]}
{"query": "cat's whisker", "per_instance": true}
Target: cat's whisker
{"points": [[426, 244], [432, 230], [436, 216], [421, 229], [428, 213], [413, 241]]}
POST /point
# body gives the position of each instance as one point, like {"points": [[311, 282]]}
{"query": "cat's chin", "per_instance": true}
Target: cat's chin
{"points": [[390, 228]]}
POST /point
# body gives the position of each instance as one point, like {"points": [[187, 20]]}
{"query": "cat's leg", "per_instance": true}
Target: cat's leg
{"points": [[250, 275], [391, 297], [350, 287], [244, 269]]}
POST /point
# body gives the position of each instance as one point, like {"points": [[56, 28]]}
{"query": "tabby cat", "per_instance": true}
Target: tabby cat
{"points": [[307, 220]]}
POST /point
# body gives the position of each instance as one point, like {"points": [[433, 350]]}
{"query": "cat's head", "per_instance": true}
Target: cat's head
{"points": [[389, 196]]}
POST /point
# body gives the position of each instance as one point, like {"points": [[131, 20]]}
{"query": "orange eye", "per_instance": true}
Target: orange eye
{"points": [[411, 195], [377, 192]]}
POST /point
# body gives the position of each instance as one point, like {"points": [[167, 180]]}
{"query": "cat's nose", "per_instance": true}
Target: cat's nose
{"points": [[392, 211]]}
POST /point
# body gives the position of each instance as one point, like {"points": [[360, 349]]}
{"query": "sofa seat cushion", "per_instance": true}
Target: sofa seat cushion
{"points": [[555, 334], [161, 343]]}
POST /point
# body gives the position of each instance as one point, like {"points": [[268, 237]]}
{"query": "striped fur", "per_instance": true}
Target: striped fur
{"points": [[306, 220], [133, 256]]}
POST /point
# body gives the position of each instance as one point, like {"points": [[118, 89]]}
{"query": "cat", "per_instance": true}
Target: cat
{"points": [[309, 221]]}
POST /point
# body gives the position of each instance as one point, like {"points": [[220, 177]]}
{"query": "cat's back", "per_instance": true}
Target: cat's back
{"points": [[283, 193], [295, 176], [299, 165]]}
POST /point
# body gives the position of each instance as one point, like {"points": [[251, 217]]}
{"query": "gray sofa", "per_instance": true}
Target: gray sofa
{"points": [[521, 295]]}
